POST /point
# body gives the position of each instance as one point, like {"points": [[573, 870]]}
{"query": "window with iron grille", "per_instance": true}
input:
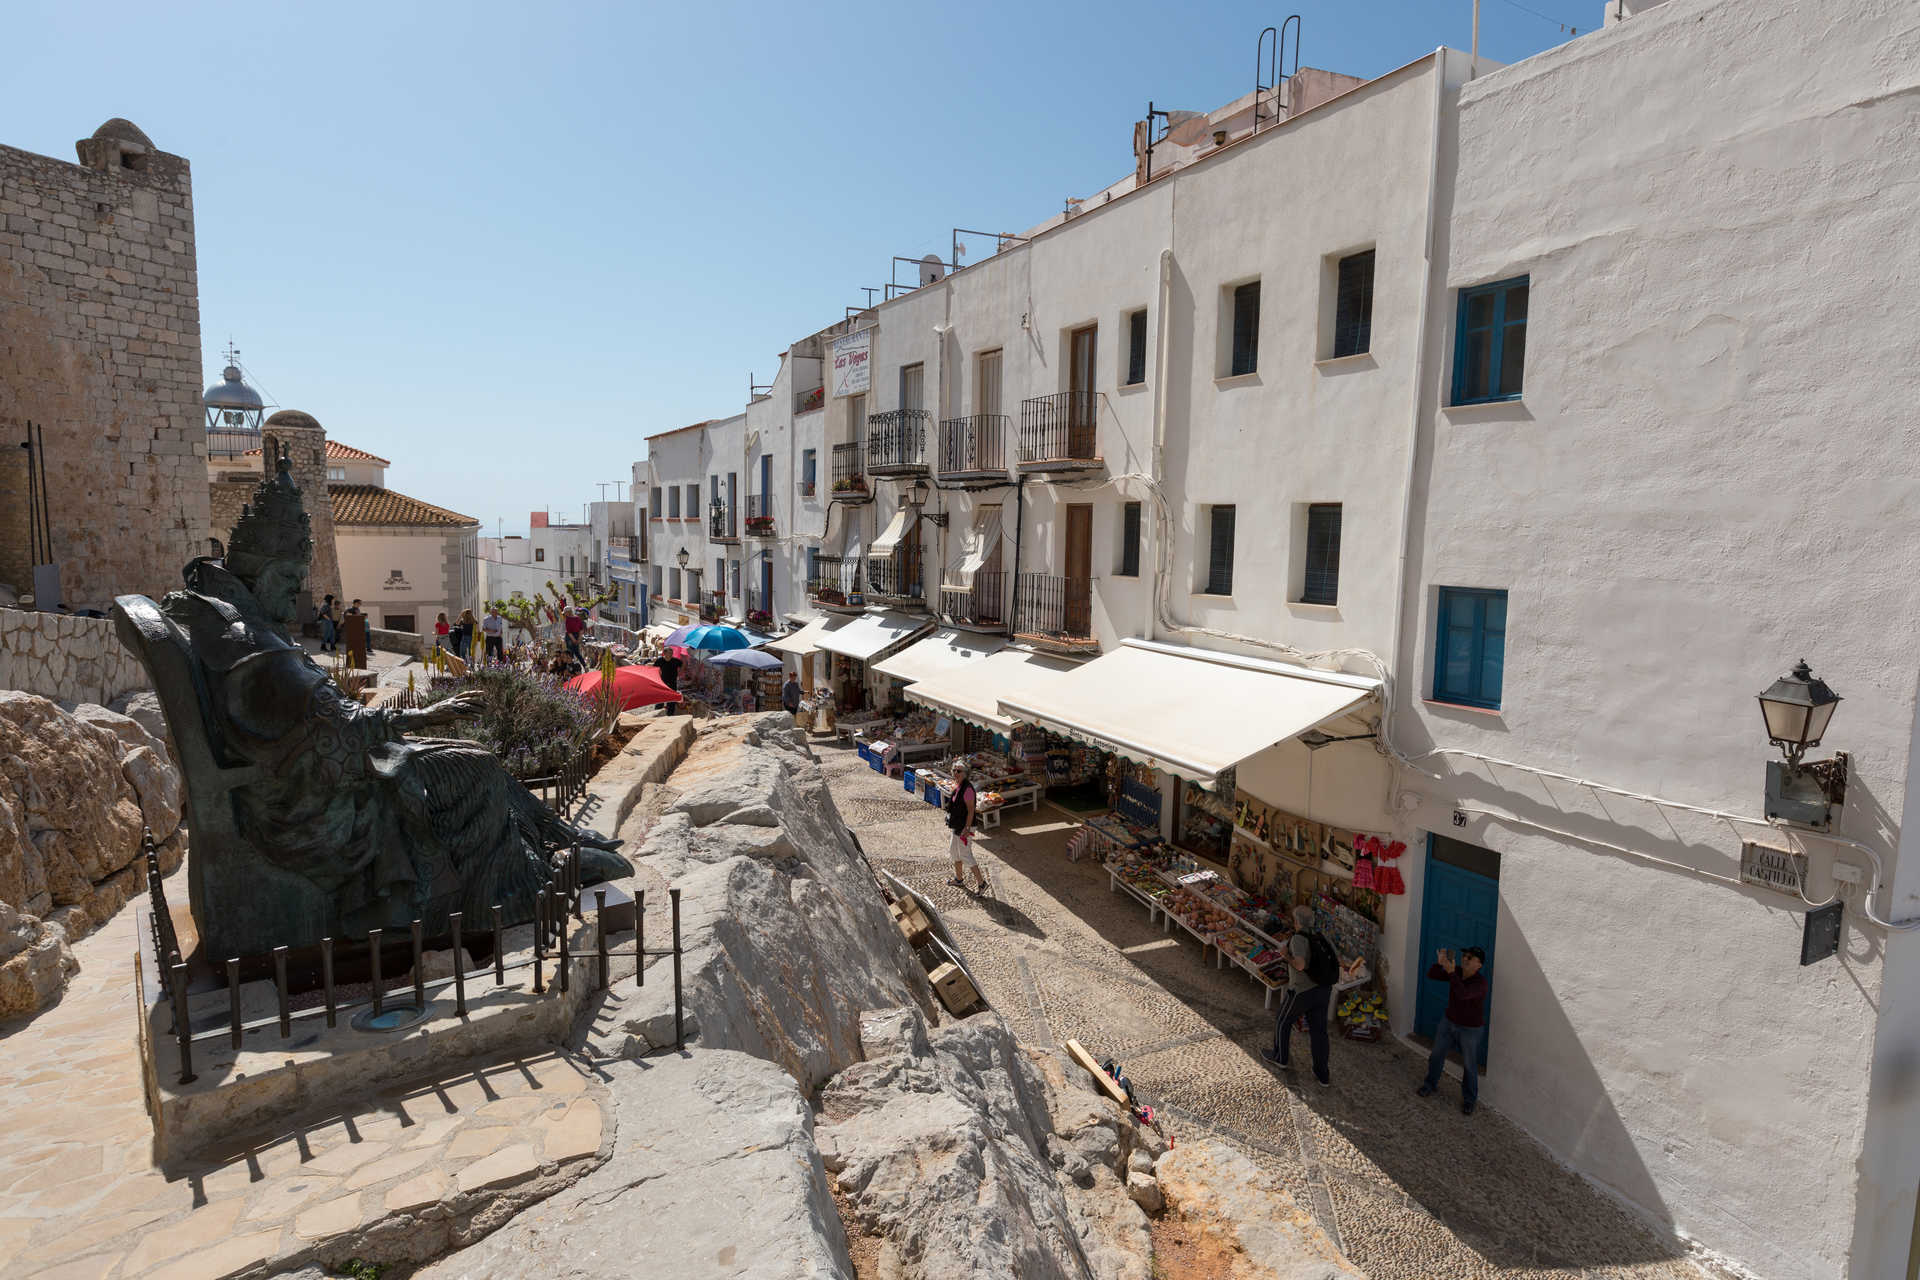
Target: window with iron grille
{"points": [[1353, 308], [1490, 346], [1246, 329], [1130, 540], [1219, 551], [1470, 646], [1137, 347], [1322, 584]]}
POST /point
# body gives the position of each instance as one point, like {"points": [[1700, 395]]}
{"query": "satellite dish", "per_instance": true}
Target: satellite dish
{"points": [[932, 270]]}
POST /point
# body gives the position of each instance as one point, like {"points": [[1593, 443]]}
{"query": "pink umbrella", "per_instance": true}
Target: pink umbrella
{"points": [[633, 686]]}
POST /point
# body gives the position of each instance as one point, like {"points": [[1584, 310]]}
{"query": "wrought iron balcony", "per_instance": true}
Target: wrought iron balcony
{"points": [[976, 600], [808, 401], [759, 515], [896, 578], [897, 442], [1060, 432], [850, 473], [974, 446], [836, 583], [721, 526], [1054, 611]]}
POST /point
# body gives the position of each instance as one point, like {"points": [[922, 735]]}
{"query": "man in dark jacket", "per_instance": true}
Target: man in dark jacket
{"points": [[1463, 1026], [1312, 971]]}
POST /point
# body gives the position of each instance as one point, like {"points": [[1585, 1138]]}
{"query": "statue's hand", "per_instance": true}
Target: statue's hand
{"points": [[459, 706]]}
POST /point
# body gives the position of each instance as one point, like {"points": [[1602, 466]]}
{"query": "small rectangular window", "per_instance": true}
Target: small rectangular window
{"points": [[1353, 311], [540, 555], [913, 386], [1130, 540], [720, 573], [653, 503], [693, 502], [809, 471], [1246, 329], [1490, 344], [1470, 646], [1136, 347], [1323, 554], [673, 581], [1220, 551], [673, 503], [336, 475]]}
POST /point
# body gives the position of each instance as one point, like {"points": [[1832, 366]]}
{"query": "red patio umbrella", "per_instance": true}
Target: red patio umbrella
{"points": [[633, 686]]}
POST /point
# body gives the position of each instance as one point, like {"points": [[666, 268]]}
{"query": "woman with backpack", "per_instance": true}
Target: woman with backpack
{"points": [[1312, 971], [960, 813]]}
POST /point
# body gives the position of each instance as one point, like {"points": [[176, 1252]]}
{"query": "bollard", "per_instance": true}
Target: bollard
{"points": [[419, 970], [280, 990], [499, 950], [326, 976], [459, 969], [600, 932], [679, 1031], [181, 1027], [233, 1000], [373, 949]]}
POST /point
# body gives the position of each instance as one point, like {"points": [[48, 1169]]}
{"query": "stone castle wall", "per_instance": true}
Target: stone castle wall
{"points": [[100, 346], [66, 658]]}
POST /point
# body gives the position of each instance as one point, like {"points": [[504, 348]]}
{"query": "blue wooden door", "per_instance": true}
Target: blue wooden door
{"points": [[1457, 911]]}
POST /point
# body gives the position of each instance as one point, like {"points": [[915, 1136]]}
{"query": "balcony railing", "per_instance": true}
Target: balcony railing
{"points": [[974, 445], [850, 473], [896, 577], [231, 442], [759, 607], [1060, 429], [1055, 609], [721, 526], [836, 581], [759, 515], [713, 606], [897, 441], [977, 599], [808, 401]]}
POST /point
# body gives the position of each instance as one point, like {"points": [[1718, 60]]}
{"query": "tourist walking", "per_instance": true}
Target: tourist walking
{"points": [[669, 670], [1463, 1026], [960, 815], [1312, 971], [441, 632], [463, 634], [494, 628], [790, 694], [329, 628], [576, 625]]}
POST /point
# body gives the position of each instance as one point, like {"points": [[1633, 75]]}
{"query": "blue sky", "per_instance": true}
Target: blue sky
{"points": [[501, 244]]}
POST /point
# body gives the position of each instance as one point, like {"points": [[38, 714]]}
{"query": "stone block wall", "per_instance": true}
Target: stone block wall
{"points": [[100, 346], [66, 658]]}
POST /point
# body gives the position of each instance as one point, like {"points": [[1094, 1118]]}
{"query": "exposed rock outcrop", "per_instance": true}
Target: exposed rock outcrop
{"points": [[1221, 1192], [945, 1143], [76, 790]]}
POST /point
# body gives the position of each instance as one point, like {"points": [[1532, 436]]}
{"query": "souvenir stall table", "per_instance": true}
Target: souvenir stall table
{"points": [[893, 743], [999, 784]]}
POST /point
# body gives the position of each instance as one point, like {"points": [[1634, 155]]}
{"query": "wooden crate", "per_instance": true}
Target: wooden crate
{"points": [[953, 988]]}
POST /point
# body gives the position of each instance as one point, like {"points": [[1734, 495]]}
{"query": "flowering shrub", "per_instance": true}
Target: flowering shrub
{"points": [[533, 722]]}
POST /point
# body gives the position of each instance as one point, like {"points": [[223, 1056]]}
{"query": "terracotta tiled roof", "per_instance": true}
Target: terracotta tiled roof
{"points": [[337, 452], [692, 426], [370, 504]]}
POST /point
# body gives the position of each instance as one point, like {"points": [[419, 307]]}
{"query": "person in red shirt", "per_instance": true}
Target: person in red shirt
{"points": [[441, 630], [576, 624], [1463, 1026]]}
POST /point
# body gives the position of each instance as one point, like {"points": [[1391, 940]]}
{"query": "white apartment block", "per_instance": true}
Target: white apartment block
{"points": [[1562, 406]]}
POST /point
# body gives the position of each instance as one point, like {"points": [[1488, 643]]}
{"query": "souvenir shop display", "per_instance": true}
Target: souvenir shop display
{"points": [[1133, 791], [1363, 1015], [1205, 827]]}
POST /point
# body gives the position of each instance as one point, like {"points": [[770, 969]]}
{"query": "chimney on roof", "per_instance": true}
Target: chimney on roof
{"points": [[538, 520]]}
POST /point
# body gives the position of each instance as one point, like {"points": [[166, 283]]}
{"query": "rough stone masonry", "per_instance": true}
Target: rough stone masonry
{"points": [[100, 347]]}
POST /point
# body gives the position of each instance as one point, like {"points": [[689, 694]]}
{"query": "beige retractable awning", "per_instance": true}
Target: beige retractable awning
{"points": [[873, 635], [973, 692], [805, 640], [891, 535], [945, 650], [1189, 711]]}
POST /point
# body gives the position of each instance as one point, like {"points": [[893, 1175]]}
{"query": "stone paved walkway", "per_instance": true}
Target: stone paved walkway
{"points": [[81, 1198], [1410, 1188]]}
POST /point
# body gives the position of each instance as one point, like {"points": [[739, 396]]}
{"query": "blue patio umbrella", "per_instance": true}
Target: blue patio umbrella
{"points": [[710, 638], [756, 659]]}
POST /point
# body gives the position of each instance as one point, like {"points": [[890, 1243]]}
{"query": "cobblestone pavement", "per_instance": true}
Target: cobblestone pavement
{"points": [[82, 1199], [1410, 1188]]}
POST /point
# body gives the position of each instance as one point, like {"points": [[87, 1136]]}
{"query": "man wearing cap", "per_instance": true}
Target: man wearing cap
{"points": [[1310, 982], [1463, 1026]]}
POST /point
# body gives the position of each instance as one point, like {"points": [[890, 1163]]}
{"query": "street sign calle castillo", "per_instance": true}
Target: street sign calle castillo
{"points": [[1769, 867]]}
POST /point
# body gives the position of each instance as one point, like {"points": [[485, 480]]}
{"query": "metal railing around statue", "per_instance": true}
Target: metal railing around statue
{"points": [[560, 897]]}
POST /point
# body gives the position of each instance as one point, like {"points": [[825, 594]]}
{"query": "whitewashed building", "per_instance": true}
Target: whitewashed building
{"points": [[1497, 434]]}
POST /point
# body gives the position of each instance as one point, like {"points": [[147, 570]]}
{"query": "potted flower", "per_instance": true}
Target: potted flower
{"points": [[759, 617]]}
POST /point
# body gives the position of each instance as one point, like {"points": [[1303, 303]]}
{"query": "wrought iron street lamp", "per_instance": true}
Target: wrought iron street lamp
{"points": [[683, 557], [1797, 708]]}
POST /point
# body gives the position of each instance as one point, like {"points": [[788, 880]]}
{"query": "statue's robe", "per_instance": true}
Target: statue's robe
{"points": [[390, 828]]}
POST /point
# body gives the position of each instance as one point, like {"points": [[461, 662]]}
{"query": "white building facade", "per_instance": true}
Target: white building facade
{"points": [[1510, 394]]}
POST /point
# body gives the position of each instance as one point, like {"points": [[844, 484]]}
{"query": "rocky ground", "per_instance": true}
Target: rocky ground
{"points": [[1409, 1188]]}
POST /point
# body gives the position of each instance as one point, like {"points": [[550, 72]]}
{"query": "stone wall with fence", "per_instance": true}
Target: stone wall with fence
{"points": [[66, 657]]}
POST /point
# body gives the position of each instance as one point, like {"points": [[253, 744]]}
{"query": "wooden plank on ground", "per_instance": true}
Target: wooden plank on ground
{"points": [[1079, 1054]]}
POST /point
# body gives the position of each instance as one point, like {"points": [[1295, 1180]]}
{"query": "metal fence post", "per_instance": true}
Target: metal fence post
{"points": [[499, 949], [373, 946], [600, 932], [182, 1028], [459, 969], [679, 1030], [639, 937], [233, 1000], [280, 990], [326, 977], [539, 939], [419, 970]]}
